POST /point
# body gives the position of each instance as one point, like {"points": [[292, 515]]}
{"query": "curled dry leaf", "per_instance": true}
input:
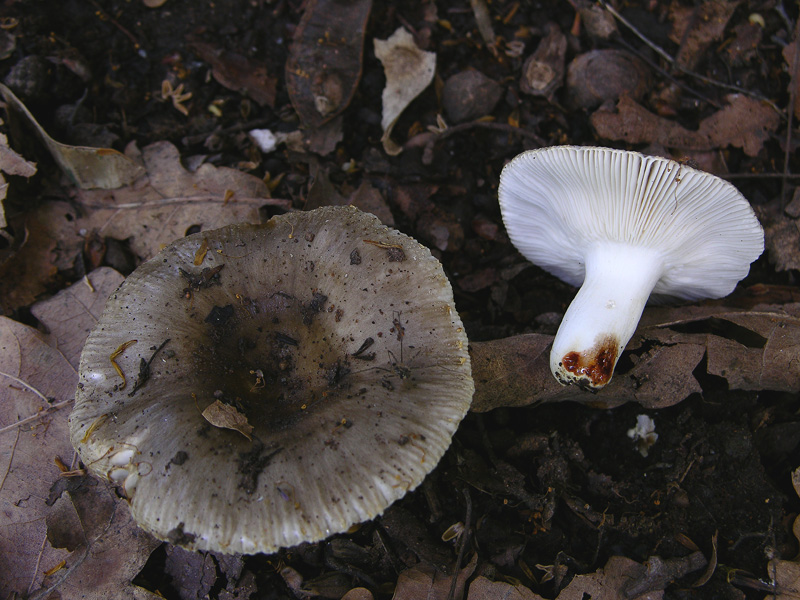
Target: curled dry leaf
{"points": [[226, 416], [11, 163], [543, 72], [409, 71], [324, 64], [752, 350], [88, 168]]}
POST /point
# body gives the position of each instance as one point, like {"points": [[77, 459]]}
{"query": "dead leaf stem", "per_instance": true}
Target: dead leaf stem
{"points": [[32, 418], [27, 385], [10, 461]]}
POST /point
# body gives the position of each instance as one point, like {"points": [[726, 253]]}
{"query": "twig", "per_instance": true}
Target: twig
{"points": [[462, 544], [35, 417], [102, 13], [27, 385]]}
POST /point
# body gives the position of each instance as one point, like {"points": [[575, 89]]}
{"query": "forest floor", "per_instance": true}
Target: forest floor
{"points": [[548, 499]]}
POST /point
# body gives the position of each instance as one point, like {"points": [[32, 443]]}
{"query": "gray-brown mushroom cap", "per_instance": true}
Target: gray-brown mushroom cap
{"points": [[333, 337]]}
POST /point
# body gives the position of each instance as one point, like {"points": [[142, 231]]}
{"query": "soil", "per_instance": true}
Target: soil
{"points": [[547, 492]]}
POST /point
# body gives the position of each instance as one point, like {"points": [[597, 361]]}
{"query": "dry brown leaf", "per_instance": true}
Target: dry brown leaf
{"points": [[71, 314], [609, 583], [226, 416], [238, 73], [744, 123], [781, 234], [324, 64], [193, 573], [634, 124], [359, 593], [107, 549], [753, 350], [86, 167], [409, 71], [485, 589], [28, 273], [785, 577], [695, 28], [37, 386], [425, 581], [11, 163]]}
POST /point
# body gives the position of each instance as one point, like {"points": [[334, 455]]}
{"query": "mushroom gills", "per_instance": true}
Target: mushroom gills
{"points": [[605, 312]]}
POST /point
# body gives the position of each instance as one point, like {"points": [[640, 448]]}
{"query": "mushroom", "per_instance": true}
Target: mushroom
{"points": [[258, 386], [623, 226]]}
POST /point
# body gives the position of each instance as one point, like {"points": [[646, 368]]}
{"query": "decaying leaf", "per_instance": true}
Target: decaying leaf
{"points": [[744, 123], [71, 314], [696, 27], [239, 73], [609, 583], [409, 71], [106, 548], [425, 581], [324, 64], [757, 349], [543, 72], [226, 416], [11, 163], [485, 589], [785, 577], [88, 168], [160, 208], [37, 386], [782, 232]]}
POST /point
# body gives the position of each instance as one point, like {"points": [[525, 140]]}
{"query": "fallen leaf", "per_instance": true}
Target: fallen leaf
{"points": [[785, 577], [634, 124], [226, 416], [485, 589], [543, 72], [744, 123], [88, 168], [324, 64], [609, 583], [28, 272], [71, 314], [161, 208], [108, 551], [757, 349], [781, 234], [409, 71], [11, 163], [601, 76], [695, 28], [193, 574], [37, 387], [238, 73], [425, 581]]}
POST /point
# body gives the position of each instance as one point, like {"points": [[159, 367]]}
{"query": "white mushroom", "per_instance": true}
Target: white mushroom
{"points": [[623, 226]]}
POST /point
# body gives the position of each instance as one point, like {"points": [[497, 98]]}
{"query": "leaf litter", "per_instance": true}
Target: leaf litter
{"points": [[526, 468]]}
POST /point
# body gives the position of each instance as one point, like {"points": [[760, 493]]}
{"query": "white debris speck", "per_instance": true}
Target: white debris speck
{"points": [[264, 139], [644, 434]]}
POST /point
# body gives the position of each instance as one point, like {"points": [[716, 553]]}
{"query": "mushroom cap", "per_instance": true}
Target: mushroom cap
{"points": [[332, 336], [559, 202]]}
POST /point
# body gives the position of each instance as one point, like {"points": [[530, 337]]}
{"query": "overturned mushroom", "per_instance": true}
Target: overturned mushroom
{"points": [[287, 381], [623, 225]]}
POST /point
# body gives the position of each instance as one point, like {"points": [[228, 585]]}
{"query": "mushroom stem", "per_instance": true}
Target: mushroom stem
{"points": [[605, 312]]}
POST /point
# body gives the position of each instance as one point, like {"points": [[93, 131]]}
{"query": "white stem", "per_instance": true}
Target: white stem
{"points": [[604, 314]]}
